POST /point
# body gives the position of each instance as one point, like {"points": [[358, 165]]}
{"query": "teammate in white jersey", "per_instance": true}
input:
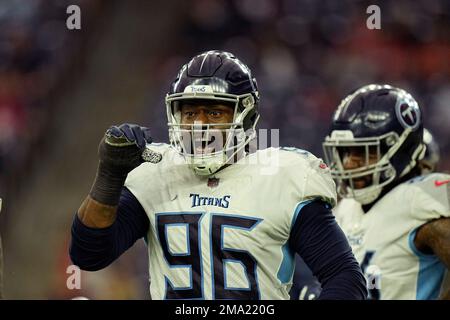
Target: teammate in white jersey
{"points": [[219, 222], [395, 218], [305, 286]]}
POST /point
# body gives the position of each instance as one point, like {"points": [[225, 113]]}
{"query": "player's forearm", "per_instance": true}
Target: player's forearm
{"points": [[120, 152], [99, 208], [434, 238], [94, 214], [111, 219], [445, 295]]}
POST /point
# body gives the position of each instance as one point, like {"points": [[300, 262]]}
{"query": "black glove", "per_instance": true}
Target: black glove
{"points": [[120, 152]]}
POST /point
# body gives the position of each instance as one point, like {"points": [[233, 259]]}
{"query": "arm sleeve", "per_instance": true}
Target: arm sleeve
{"points": [[318, 239], [94, 249]]}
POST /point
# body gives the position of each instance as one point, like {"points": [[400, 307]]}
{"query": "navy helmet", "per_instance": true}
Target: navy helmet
{"points": [[385, 123], [213, 77]]}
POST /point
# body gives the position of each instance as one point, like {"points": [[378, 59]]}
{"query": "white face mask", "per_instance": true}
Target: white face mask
{"points": [[379, 172], [208, 147]]}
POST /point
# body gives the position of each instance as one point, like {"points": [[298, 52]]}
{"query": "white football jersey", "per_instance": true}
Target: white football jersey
{"points": [[383, 238], [225, 237]]}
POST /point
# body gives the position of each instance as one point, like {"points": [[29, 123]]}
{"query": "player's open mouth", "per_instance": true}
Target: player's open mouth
{"points": [[362, 182], [203, 147]]}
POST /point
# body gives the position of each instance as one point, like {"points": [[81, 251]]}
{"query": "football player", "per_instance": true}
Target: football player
{"points": [[396, 220], [305, 286], [216, 223]]}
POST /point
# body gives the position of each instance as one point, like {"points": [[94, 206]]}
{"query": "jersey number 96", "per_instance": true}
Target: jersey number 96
{"points": [[191, 259]]}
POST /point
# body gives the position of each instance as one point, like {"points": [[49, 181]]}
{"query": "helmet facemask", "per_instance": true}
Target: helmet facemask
{"points": [[208, 147], [375, 168]]}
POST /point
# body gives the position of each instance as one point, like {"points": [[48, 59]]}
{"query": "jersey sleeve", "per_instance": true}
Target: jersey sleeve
{"points": [[318, 182], [145, 181], [308, 175], [430, 197]]}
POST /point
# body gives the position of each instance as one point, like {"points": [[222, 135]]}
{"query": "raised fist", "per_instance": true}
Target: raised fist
{"points": [[122, 146], [120, 151]]}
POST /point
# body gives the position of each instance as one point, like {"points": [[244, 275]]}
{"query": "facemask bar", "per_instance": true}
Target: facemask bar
{"points": [[381, 172], [235, 135], [188, 138]]}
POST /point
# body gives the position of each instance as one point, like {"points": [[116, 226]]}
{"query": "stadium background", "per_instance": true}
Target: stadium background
{"points": [[61, 89]]}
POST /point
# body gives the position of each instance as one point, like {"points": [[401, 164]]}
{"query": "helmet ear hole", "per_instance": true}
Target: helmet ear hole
{"points": [[248, 102], [391, 140], [388, 174]]}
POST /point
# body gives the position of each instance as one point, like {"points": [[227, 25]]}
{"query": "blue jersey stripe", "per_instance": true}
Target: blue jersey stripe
{"points": [[431, 272], [286, 271]]}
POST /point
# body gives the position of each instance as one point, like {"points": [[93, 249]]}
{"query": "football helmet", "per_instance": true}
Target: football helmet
{"points": [[214, 77], [385, 125]]}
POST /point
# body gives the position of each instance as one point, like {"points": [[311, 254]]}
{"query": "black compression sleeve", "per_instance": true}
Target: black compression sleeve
{"points": [[94, 249], [318, 239]]}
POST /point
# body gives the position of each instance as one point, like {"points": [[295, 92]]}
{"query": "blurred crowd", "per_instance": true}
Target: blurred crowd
{"points": [[37, 60], [36, 56], [305, 54]]}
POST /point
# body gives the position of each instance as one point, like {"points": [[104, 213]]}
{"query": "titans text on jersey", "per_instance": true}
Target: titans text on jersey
{"points": [[198, 200]]}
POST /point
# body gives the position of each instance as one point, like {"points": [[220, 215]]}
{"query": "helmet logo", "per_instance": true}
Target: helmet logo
{"points": [[408, 113], [198, 89]]}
